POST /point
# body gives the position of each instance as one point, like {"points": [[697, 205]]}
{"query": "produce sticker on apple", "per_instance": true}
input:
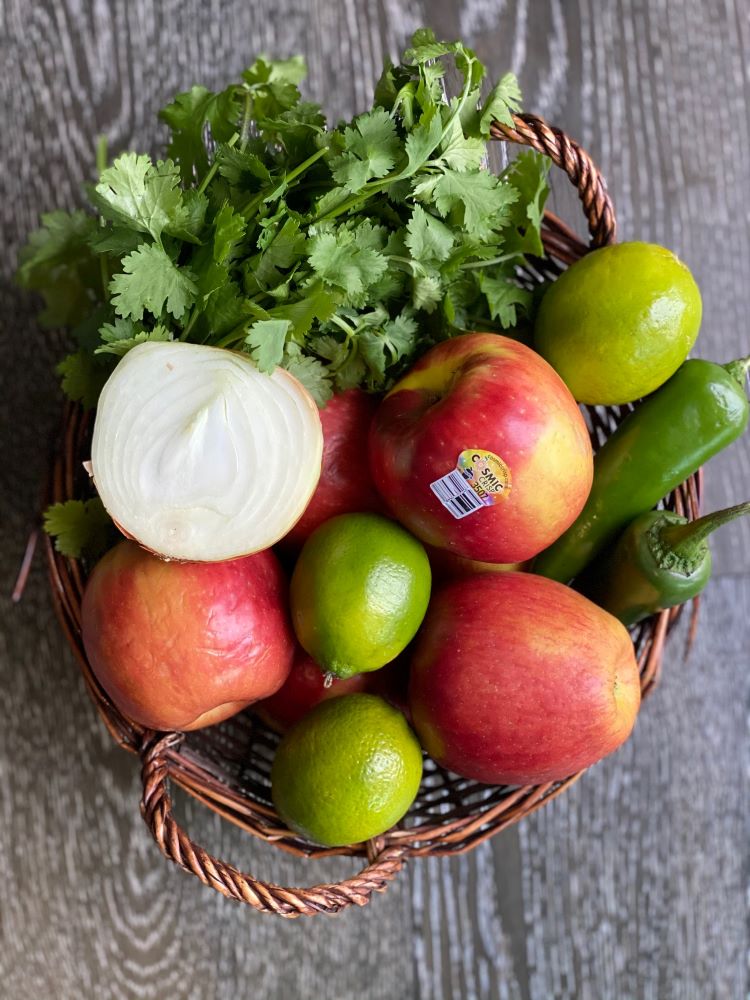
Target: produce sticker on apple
{"points": [[480, 479]]}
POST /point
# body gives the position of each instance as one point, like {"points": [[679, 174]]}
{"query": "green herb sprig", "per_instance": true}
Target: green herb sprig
{"points": [[340, 254]]}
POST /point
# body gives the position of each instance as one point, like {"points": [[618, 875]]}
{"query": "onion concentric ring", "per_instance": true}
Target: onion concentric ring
{"points": [[199, 456]]}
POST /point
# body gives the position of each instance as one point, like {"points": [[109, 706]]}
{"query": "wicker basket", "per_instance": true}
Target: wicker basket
{"points": [[227, 767]]}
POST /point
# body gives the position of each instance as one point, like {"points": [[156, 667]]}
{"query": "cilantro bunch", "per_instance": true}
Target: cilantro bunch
{"points": [[340, 254]]}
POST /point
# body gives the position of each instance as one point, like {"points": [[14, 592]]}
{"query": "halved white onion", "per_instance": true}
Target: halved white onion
{"points": [[199, 456]]}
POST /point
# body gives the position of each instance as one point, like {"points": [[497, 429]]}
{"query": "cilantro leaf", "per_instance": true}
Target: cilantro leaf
{"points": [[187, 221], [331, 349], [117, 240], [352, 370], [223, 311], [266, 338], [421, 142], [242, 168], [424, 46], [82, 378], [287, 245], [528, 174], [503, 295], [485, 201], [311, 373], [59, 262], [229, 228], [459, 152], [338, 254], [372, 349], [345, 362], [272, 85], [119, 330], [427, 291], [338, 261], [462, 297], [60, 234], [387, 87], [503, 100], [401, 335], [371, 150], [430, 88], [267, 70], [149, 281], [122, 335], [369, 235], [210, 274], [299, 130], [79, 527], [316, 304], [134, 192], [428, 238], [187, 117]]}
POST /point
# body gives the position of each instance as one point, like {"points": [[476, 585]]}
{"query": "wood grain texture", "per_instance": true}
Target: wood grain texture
{"points": [[629, 886]]}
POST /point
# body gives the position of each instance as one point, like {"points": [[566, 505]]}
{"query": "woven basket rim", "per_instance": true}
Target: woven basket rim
{"points": [[168, 756]]}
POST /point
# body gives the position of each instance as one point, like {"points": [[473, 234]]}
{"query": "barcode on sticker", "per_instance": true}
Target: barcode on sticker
{"points": [[455, 494]]}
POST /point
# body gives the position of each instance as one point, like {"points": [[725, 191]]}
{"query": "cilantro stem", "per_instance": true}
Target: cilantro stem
{"points": [[246, 118], [490, 262], [348, 330], [191, 321], [235, 335], [101, 154], [413, 265], [355, 199], [215, 166], [248, 209], [292, 175], [405, 98]]}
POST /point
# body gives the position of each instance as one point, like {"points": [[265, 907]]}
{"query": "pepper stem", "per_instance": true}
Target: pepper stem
{"points": [[738, 369], [687, 541]]}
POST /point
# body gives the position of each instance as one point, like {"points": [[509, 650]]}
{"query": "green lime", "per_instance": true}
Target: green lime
{"points": [[359, 592], [619, 322], [347, 771]]}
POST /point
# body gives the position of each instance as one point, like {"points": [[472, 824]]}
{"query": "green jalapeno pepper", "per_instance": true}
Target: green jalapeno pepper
{"points": [[699, 411], [660, 560]]}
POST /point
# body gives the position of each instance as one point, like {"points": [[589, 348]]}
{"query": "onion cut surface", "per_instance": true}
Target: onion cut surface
{"points": [[199, 456]]}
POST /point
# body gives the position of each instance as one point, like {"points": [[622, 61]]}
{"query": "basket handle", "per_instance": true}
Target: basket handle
{"points": [[384, 862], [533, 131]]}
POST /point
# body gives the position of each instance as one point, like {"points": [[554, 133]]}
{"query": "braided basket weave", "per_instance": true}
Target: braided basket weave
{"points": [[227, 767]]}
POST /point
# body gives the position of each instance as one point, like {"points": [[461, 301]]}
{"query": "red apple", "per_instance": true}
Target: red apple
{"points": [[497, 408], [516, 680], [184, 645], [305, 687], [345, 485], [392, 683], [447, 565]]}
